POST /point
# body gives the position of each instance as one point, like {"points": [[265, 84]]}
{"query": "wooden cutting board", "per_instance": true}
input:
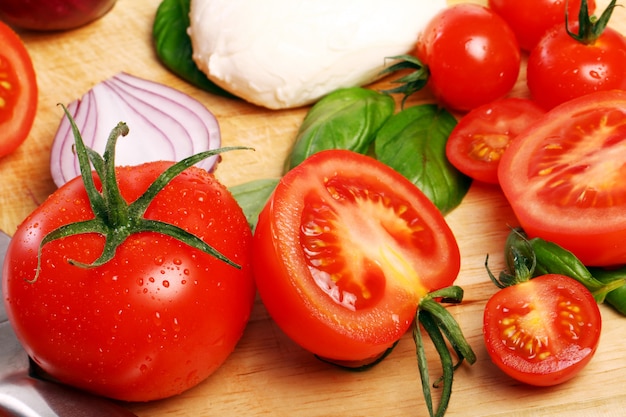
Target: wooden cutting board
{"points": [[268, 375]]}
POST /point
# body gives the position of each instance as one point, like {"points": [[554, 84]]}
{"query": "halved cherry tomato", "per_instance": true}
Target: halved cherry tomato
{"points": [[344, 251], [543, 331], [18, 91], [564, 177], [478, 141], [531, 19]]}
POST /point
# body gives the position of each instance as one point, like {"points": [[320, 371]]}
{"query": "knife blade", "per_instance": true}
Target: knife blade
{"points": [[23, 395]]}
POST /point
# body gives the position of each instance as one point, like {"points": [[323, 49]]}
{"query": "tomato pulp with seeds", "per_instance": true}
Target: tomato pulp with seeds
{"points": [[18, 91], [564, 178], [543, 331], [343, 252]]}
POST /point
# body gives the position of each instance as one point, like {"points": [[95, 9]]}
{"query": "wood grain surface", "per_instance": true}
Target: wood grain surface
{"points": [[268, 375]]}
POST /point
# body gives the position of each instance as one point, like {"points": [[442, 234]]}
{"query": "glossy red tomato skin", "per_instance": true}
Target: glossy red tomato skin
{"points": [[554, 314], [560, 68], [154, 321], [472, 55], [530, 20], [340, 193], [564, 178], [52, 15], [478, 141], [17, 114]]}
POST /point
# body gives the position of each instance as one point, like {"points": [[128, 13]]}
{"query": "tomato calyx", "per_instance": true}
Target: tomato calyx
{"points": [[440, 325], [114, 218], [413, 81], [530, 258], [589, 28]]}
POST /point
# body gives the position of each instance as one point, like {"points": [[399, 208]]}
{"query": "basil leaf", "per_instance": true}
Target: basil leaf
{"points": [[173, 45], [344, 119], [413, 142], [252, 196]]}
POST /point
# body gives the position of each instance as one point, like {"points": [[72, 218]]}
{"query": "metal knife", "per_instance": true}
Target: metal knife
{"points": [[22, 395]]}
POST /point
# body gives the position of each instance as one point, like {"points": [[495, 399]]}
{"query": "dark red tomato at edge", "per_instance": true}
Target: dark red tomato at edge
{"points": [[159, 317], [478, 141], [543, 331], [343, 252]]}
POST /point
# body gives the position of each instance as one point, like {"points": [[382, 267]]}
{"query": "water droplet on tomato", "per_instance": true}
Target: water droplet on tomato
{"points": [[166, 283], [177, 261], [143, 368], [151, 279], [175, 325], [158, 261], [595, 75]]}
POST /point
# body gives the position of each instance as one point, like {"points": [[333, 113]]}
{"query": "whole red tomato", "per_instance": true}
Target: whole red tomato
{"points": [[570, 63], [52, 14], [156, 319], [532, 19], [472, 56]]}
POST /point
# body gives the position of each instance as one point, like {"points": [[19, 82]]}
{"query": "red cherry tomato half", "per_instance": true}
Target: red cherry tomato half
{"points": [[478, 141], [344, 251], [544, 331], [159, 317], [532, 19], [472, 55], [564, 177], [561, 68], [18, 91]]}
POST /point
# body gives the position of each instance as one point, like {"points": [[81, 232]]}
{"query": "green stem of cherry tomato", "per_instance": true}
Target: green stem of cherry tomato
{"points": [[114, 218], [440, 325], [616, 278], [527, 258], [590, 28]]}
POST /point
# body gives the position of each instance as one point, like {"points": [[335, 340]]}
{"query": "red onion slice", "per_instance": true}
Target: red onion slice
{"points": [[164, 123]]}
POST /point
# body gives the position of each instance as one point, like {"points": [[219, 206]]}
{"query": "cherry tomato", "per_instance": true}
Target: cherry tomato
{"points": [[478, 141], [472, 55], [344, 250], [156, 319], [532, 19], [18, 91], [561, 68], [543, 331], [564, 177]]}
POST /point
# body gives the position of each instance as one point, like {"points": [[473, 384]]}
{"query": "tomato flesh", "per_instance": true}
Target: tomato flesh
{"points": [[476, 144], [564, 178], [159, 317], [18, 91], [544, 331], [343, 252]]}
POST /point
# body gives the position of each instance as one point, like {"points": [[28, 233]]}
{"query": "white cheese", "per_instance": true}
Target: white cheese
{"points": [[288, 53]]}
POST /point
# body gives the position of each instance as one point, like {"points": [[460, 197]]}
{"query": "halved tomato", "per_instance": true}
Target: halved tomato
{"points": [[543, 331], [344, 251], [478, 141], [18, 91], [564, 177]]}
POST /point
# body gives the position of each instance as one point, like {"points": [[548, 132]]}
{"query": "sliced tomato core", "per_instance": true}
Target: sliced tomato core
{"points": [[358, 240], [575, 171], [9, 89]]}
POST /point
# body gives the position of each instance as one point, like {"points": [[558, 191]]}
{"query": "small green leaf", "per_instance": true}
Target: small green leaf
{"points": [[413, 142], [252, 197], [344, 119]]}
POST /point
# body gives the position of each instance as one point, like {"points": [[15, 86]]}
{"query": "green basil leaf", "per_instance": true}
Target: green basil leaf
{"points": [[344, 119], [252, 196], [413, 142], [173, 45]]}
